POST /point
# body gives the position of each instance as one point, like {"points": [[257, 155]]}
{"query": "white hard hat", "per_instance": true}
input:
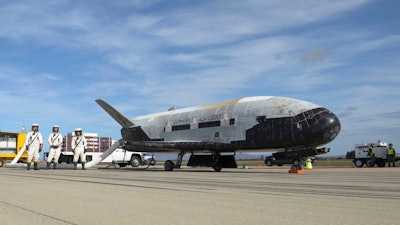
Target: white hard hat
{"points": [[78, 129], [35, 125], [56, 126]]}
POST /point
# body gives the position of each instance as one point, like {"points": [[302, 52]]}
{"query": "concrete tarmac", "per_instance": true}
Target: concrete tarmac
{"points": [[200, 196]]}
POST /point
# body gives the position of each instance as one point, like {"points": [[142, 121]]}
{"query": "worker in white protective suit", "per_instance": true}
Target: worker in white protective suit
{"points": [[55, 142], [33, 145], [79, 146]]}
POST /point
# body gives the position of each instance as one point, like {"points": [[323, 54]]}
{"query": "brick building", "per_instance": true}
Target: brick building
{"points": [[94, 142]]}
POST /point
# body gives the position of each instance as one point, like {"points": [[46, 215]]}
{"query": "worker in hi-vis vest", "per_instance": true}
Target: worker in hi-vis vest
{"points": [[371, 153], [390, 153], [33, 145], [79, 146], [55, 142]]}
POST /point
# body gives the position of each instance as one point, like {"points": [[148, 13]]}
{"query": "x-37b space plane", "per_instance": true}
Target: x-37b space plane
{"points": [[213, 133]]}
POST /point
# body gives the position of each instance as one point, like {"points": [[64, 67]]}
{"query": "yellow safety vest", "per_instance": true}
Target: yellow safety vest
{"points": [[390, 151], [372, 150]]}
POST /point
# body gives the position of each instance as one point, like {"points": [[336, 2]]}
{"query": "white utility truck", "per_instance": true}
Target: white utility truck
{"points": [[362, 154], [123, 158], [120, 157]]}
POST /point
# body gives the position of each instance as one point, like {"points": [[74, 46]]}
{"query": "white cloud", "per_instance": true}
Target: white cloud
{"points": [[378, 43]]}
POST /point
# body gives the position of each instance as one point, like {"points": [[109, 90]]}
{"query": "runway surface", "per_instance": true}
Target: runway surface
{"points": [[200, 196]]}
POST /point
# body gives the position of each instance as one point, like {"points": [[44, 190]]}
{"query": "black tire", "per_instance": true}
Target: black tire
{"points": [[268, 162], [169, 165], [380, 163], [122, 164], [359, 163], [217, 168], [294, 167], [370, 163], [297, 164], [2, 162], [135, 161]]}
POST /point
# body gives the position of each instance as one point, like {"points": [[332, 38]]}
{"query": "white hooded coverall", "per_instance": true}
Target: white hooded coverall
{"points": [[55, 141], [33, 142], [79, 145]]}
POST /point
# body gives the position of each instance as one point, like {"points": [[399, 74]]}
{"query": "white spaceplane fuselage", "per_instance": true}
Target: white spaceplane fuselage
{"points": [[263, 123]]}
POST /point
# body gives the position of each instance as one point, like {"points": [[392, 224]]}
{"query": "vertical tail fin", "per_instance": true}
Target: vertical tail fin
{"points": [[121, 119]]}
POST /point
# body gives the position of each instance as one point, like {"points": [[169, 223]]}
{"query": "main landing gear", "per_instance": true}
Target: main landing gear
{"points": [[216, 157], [169, 165], [179, 160], [296, 165], [214, 160]]}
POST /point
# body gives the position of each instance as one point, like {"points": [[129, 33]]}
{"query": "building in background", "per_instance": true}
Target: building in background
{"points": [[94, 142]]}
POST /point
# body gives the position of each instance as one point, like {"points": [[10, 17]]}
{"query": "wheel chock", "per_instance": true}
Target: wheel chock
{"points": [[296, 171]]}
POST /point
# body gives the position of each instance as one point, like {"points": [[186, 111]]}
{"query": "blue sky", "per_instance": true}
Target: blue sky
{"points": [[57, 57]]}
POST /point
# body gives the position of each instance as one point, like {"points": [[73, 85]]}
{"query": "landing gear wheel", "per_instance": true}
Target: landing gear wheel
{"points": [[296, 165], [217, 168], [216, 163], [122, 164], [169, 165]]}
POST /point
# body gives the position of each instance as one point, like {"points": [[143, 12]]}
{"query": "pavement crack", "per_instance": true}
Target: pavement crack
{"points": [[38, 213]]}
